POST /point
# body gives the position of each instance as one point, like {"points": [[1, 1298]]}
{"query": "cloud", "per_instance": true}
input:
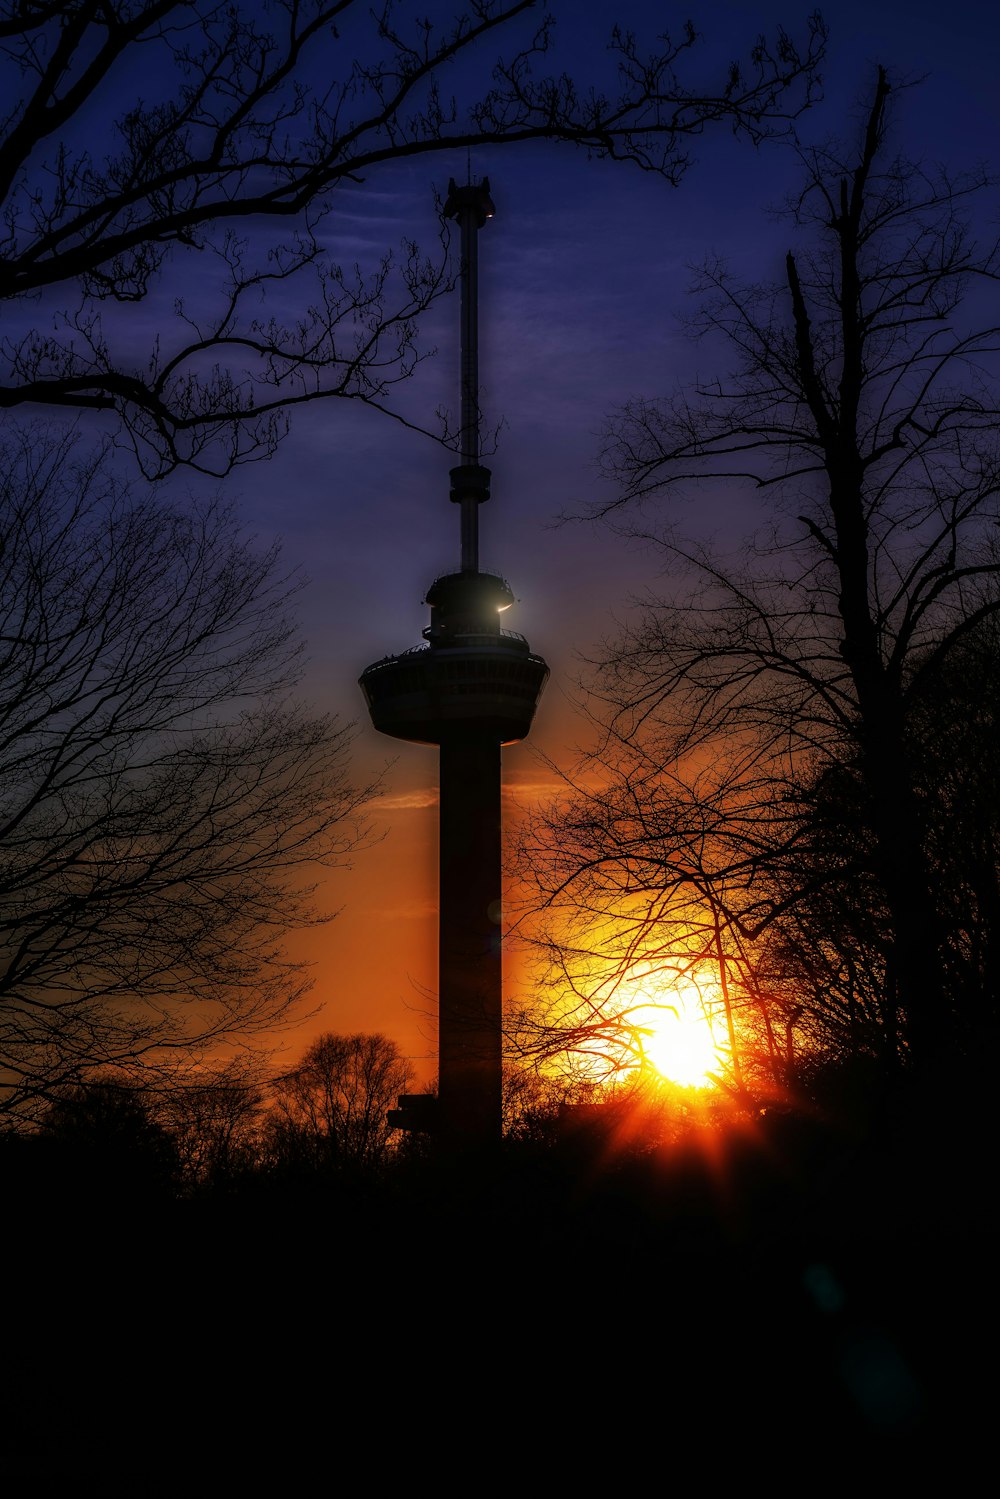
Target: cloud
{"points": [[406, 801], [523, 791], [519, 791], [414, 910]]}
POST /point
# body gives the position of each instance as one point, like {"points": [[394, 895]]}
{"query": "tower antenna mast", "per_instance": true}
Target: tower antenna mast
{"points": [[470, 206]]}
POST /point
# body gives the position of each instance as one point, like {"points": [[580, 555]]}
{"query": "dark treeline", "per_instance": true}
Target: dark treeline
{"points": [[111, 1138], [768, 1273]]}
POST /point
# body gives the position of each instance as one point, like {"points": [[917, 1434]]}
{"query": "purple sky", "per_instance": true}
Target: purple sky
{"points": [[584, 272]]}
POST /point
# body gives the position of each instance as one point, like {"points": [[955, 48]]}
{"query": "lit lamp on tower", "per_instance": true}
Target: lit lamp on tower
{"points": [[471, 688]]}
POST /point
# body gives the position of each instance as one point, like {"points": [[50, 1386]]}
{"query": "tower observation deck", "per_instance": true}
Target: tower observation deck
{"points": [[471, 688]]}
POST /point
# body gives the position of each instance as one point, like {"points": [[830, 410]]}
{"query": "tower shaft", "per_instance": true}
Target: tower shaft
{"points": [[470, 978]]}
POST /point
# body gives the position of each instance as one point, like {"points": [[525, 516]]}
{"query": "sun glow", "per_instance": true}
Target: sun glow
{"points": [[650, 1020], [678, 1039]]}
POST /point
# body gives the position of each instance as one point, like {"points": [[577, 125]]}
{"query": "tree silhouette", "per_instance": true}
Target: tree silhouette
{"points": [[332, 1109], [162, 797], [194, 161], [837, 939], [110, 1141], [629, 880], [215, 1119], [796, 685]]}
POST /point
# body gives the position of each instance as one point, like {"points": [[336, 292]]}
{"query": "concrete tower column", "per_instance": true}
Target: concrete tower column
{"points": [[470, 974]]}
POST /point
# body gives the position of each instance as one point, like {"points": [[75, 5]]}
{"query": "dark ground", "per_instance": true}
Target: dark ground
{"points": [[800, 1307]]}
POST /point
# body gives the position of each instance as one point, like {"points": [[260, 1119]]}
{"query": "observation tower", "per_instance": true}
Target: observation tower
{"points": [[471, 688]]}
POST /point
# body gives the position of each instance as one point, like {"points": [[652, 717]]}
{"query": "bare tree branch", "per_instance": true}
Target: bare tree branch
{"points": [[164, 804], [149, 143], [793, 696]]}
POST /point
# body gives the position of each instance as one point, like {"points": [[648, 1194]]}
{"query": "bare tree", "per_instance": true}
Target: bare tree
{"points": [[195, 158], [332, 1109], [631, 878], [162, 797], [862, 404], [215, 1118]]}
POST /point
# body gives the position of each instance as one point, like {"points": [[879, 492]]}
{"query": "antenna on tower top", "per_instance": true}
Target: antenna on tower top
{"points": [[470, 206]]}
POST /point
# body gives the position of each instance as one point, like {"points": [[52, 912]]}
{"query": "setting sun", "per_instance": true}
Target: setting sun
{"points": [[678, 1041]]}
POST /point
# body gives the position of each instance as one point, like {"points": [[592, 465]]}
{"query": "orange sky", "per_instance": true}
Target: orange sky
{"points": [[376, 962]]}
